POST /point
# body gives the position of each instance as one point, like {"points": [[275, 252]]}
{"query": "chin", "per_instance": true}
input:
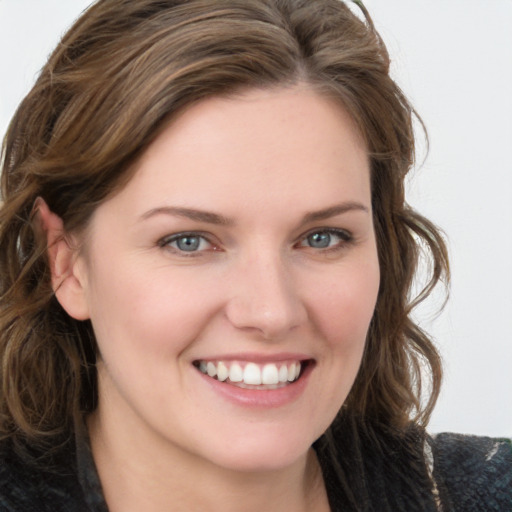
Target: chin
{"points": [[263, 453]]}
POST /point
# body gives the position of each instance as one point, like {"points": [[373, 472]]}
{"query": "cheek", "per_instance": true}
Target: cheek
{"points": [[344, 306], [153, 311]]}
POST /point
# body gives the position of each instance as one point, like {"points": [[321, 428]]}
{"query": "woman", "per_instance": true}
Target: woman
{"points": [[206, 259]]}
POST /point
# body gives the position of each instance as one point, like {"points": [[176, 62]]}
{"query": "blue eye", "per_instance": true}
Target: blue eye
{"points": [[319, 240], [186, 242], [326, 239]]}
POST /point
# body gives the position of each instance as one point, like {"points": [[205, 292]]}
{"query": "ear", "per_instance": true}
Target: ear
{"points": [[68, 282]]}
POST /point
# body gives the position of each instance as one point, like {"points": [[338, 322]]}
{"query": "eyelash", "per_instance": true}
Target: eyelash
{"points": [[166, 242], [344, 236]]}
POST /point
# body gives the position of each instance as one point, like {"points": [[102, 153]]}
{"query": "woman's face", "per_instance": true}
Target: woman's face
{"points": [[241, 253]]}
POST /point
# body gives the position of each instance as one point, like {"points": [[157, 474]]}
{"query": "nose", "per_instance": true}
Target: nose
{"points": [[264, 298]]}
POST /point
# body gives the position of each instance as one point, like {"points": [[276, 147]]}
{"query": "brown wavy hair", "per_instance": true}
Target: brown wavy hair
{"points": [[117, 76]]}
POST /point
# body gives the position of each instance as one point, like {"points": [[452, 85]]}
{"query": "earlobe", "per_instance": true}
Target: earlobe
{"points": [[67, 282]]}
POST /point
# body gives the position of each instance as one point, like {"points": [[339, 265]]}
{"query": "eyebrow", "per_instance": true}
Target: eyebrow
{"points": [[332, 211], [189, 213], [215, 218]]}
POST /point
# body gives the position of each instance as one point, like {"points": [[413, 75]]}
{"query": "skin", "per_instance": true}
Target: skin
{"points": [[255, 288]]}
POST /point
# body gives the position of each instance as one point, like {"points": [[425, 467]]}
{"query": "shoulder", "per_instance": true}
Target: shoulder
{"points": [[31, 486], [473, 473]]}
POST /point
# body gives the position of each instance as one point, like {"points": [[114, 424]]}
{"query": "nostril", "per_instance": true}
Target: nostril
{"points": [[270, 319]]}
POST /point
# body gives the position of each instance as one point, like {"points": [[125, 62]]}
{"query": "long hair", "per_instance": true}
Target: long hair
{"points": [[111, 85]]}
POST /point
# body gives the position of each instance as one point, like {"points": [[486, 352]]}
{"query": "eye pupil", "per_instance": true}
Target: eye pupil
{"points": [[188, 243], [319, 240]]}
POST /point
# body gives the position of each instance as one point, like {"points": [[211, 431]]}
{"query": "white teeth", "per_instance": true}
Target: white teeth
{"points": [[252, 374], [236, 373], [211, 369], [269, 374], [291, 372], [222, 371], [283, 373]]}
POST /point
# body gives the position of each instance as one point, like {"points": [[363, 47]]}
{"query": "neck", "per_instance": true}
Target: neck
{"points": [[138, 475]]}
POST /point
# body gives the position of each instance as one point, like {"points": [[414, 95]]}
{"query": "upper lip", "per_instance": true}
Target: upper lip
{"points": [[257, 357]]}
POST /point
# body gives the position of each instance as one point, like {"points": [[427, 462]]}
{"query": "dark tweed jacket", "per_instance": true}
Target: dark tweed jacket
{"points": [[368, 472]]}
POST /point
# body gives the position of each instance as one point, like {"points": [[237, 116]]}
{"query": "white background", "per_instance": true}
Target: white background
{"points": [[453, 58]]}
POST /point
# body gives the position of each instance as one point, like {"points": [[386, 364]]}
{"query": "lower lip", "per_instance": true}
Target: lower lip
{"points": [[260, 398]]}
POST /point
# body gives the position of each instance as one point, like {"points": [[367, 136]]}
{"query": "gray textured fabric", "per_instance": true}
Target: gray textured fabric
{"points": [[472, 474]]}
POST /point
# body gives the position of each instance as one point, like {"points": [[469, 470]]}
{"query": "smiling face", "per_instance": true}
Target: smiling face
{"points": [[231, 283]]}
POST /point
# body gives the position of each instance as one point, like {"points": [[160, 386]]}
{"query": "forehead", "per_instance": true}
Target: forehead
{"points": [[276, 146]]}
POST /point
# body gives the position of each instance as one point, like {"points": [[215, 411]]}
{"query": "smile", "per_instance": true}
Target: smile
{"points": [[252, 375]]}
